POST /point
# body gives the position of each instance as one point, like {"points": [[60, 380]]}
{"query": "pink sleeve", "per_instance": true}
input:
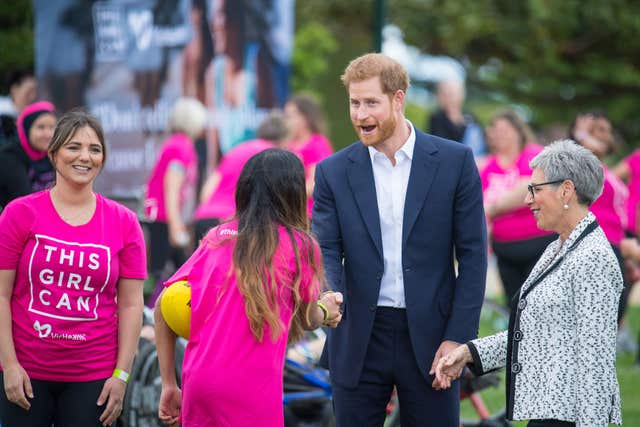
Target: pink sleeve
{"points": [[633, 160], [15, 224], [133, 257], [198, 269]]}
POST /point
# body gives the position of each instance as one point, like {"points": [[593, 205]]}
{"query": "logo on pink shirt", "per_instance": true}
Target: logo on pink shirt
{"points": [[68, 280]]}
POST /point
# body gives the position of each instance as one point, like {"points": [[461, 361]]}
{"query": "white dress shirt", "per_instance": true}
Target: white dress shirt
{"points": [[391, 189]]}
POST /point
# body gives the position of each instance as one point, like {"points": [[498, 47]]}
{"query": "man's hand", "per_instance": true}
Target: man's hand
{"points": [[450, 367], [113, 395], [332, 300], [445, 348]]}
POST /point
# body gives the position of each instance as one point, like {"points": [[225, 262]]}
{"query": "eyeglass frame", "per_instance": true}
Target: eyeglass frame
{"points": [[532, 187]]}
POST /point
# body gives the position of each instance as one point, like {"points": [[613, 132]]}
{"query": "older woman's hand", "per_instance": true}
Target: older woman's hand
{"points": [[332, 301], [450, 367]]}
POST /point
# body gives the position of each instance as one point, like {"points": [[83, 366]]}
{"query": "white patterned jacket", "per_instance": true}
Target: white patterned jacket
{"points": [[560, 350]]}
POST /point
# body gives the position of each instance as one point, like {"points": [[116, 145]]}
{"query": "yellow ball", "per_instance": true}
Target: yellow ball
{"points": [[176, 307]]}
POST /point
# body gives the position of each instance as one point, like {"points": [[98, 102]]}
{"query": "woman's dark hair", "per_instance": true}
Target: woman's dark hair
{"points": [[69, 124], [525, 134], [271, 193]]}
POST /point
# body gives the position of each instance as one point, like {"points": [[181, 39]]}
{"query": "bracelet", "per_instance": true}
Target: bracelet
{"points": [[325, 310], [121, 375]]}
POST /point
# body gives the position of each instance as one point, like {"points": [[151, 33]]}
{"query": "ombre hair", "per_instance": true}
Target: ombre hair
{"points": [[270, 194]]}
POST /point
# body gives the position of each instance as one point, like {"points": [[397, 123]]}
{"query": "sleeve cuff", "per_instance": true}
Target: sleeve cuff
{"points": [[476, 366]]}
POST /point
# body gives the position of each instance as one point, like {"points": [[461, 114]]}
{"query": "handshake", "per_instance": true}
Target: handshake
{"points": [[329, 303]]}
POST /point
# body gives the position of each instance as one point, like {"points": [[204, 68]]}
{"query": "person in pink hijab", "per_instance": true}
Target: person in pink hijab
{"points": [[24, 166]]}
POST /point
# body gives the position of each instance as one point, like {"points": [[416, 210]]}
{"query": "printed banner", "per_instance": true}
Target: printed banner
{"points": [[127, 61]]}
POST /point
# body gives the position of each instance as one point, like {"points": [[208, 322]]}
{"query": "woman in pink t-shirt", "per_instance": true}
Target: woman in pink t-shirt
{"points": [[254, 283], [594, 131], [72, 264], [308, 140], [170, 197], [515, 239], [217, 202]]}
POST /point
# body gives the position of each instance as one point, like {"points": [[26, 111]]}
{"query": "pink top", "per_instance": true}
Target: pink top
{"points": [[177, 150], [63, 305], [228, 377], [610, 207], [222, 204], [314, 150], [633, 162], [519, 223]]}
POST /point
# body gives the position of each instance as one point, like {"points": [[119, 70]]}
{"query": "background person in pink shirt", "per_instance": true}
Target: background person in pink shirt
{"points": [[594, 131], [308, 141], [515, 239], [171, 191], [217, 202], [254, 284], [72, 264]]}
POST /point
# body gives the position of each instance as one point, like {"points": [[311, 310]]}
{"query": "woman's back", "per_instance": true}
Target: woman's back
{"points": [[228, 375]]}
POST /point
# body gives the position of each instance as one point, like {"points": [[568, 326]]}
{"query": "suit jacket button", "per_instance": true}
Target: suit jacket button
{"points": [[379, 276], [372, 308], [516, 368]]}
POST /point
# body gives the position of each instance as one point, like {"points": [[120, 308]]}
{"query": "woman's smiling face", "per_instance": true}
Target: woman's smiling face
{"points": [[80, 158]]}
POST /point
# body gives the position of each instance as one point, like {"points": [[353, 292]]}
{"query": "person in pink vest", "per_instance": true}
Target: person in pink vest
{"points": [[72, 265], [254, 283], [308, 141], [217, 203], [170, 196], [515, 239]]}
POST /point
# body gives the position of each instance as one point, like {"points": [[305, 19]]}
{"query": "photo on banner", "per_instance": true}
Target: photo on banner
{"points": [[128, 61]]}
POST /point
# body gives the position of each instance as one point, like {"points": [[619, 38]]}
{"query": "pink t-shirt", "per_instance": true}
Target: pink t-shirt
{"points": [[228, 377], [610, 207], [63, 306], [633, 162], [517, 224], [178, 149], [313, 151], [222, 204]]}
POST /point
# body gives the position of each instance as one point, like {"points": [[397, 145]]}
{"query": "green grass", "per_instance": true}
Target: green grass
{"points": [[628, 376]]}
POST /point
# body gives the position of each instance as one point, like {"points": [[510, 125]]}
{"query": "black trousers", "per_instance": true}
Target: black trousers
{"points": [[550, 423], [389, 362], [516, 260], [64, 404]]}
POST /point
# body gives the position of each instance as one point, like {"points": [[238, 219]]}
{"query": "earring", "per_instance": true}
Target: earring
{"points": [[565, 206]]}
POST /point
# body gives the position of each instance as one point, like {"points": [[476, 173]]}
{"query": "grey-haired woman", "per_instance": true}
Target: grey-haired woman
{"points": [[560, 347]]}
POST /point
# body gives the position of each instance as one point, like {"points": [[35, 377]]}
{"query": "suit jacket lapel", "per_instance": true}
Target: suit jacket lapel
{"points": [[424, 166], [364, 191]]}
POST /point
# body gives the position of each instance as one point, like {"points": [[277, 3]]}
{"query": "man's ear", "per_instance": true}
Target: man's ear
{"points": [[398, 100]]}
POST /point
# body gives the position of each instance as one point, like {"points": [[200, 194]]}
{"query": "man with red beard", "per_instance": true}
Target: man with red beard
{"points": [[392, 213]]}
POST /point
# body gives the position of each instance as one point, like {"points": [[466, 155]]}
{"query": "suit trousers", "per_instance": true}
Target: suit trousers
{"points": [[389, 362]]}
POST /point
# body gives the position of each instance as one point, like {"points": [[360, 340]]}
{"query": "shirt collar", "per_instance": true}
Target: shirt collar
{"points": [[407, 147]]}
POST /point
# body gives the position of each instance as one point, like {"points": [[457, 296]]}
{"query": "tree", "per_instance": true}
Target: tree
{"points": [[16, 37], [557, 57]]}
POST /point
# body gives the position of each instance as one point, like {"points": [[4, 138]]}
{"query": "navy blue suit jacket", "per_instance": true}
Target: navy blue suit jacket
{"points": [[443, 214]]}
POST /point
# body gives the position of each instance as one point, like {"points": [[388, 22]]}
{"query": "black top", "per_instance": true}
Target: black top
{"points": [[19, 175]]}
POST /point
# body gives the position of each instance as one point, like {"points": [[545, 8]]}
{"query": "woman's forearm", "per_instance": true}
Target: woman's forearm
{"points": [[130, 306], [165, 345]]}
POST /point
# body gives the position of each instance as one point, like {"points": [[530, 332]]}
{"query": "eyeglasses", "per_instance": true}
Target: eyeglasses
{"points": [[532, 187]]}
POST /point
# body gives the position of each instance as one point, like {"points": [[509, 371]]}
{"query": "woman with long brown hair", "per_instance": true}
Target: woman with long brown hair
{"points": [[254, 287]]}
